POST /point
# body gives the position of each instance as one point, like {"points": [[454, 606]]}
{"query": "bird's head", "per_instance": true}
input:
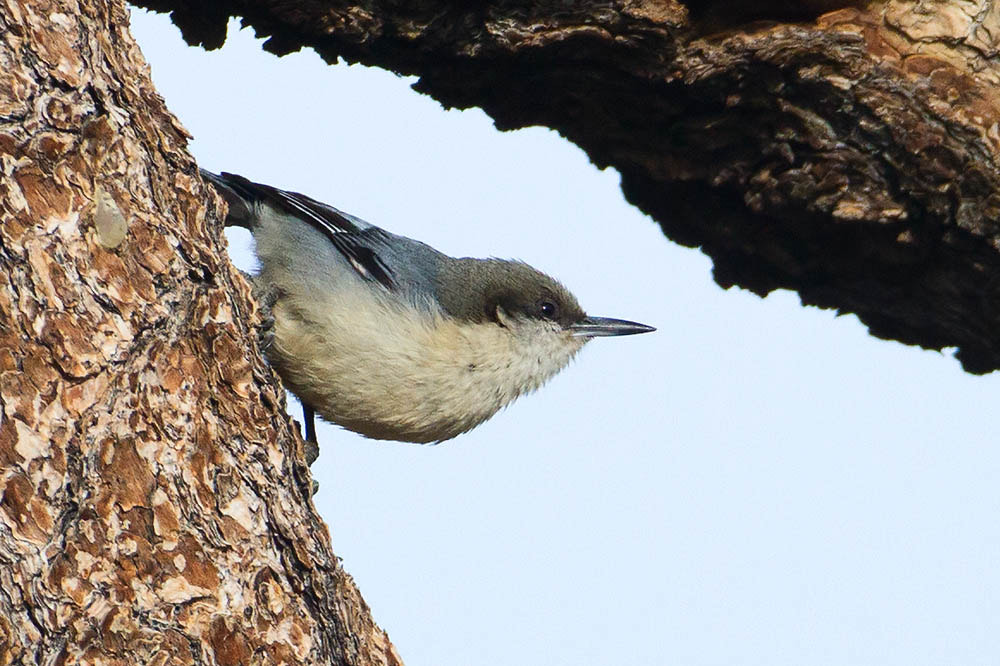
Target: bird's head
{"points": [[527, 302]]}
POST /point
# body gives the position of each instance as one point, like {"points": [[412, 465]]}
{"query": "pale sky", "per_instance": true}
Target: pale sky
{"points": [[754, 483]]}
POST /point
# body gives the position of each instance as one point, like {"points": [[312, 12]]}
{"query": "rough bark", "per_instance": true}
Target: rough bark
{"points": [[154, 506], [846, 150]]}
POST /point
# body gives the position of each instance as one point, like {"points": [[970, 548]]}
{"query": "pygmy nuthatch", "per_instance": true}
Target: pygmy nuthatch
{"points": [[388, 337]]}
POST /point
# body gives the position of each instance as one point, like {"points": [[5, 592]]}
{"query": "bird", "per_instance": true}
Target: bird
{"points": [[390, 338]]}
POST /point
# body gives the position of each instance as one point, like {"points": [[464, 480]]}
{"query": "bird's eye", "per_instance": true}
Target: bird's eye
{"points": [[548, 309]]}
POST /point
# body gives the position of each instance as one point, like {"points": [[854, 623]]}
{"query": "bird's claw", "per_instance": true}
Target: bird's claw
{"points": [[312, 452], [266, 295], [265, 333]]}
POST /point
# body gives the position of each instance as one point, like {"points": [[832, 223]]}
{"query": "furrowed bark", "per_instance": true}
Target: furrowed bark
{"points": [[154, 503], [846, 150]]}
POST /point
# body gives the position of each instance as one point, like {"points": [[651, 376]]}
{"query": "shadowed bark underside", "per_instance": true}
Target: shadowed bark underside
{"points": [[154, 506], [845, 150]]}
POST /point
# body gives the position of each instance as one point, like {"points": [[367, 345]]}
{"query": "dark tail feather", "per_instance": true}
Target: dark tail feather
{"points": [[239, 198]]}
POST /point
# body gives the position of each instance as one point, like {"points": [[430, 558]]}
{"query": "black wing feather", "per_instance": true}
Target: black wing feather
{"points": [[350, 239]]}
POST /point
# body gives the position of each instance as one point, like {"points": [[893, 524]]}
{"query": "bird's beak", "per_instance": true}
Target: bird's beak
{"points": [[595, 327]]}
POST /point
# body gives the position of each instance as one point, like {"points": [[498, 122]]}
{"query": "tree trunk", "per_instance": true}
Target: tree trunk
{"points": [[844, 149], [154, 504]]}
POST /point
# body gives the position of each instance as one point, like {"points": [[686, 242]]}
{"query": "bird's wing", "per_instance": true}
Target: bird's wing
{"points": [[354, 238]]}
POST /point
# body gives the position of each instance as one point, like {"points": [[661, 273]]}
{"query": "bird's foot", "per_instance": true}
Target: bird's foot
{"points": [[312, 452], [265, 333], [266, 295]]}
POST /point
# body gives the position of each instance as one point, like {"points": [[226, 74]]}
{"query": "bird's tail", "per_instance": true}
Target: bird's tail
{"points": [[239, 199]]}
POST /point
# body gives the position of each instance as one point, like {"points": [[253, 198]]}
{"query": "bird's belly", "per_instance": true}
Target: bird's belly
{"points": [[407, 375], [385, 384]]}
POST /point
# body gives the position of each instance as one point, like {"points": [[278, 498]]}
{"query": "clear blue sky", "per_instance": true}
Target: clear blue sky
{"points": [[755, 483]]}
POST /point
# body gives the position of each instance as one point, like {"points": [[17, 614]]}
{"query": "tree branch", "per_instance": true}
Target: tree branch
{"points": [[846, 150]]}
